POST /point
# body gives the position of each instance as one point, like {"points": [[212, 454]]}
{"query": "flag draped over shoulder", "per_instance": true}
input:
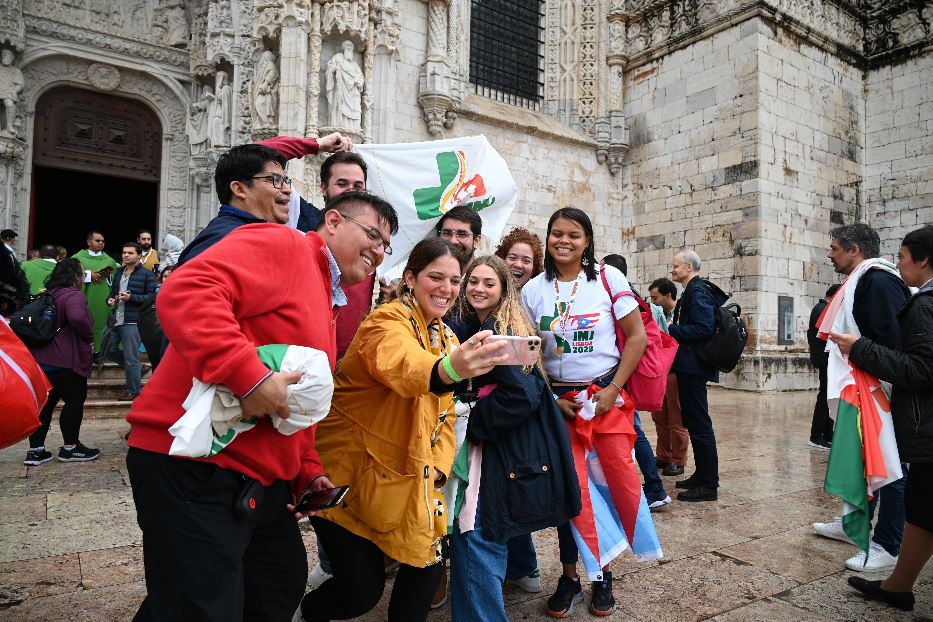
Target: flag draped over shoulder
{"points": [[864, 454], [423, 181], [615, 514]]}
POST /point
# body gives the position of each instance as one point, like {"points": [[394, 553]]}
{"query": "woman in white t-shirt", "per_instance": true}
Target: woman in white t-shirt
{"points": [[573, 313]]}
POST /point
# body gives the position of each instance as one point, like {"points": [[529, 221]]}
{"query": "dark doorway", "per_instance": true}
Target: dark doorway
{"points": [[96, 165], [68, 204]]}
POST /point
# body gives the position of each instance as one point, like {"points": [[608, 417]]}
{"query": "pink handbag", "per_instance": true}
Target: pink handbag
{"points": [[648, 382]]}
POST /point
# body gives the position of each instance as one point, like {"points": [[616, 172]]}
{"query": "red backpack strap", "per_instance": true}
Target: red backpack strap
{"points": [[614, 298]]}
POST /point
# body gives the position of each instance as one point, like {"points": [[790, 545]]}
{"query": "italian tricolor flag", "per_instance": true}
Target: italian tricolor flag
{"points": [[864, 453]]}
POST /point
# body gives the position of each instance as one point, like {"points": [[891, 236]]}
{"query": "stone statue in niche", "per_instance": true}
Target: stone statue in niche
{"points": [[170, 24], [198, 126], [219, 112], [266, 90], [11, 85], [138, 17], [344, 85]]}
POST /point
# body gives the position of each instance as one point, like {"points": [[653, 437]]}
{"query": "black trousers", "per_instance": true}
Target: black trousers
{"points": [[204, 563], [821, 429], [694, 409], [359, 580], [68, 386]]}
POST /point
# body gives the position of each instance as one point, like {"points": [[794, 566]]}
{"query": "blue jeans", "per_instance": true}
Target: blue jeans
{"points": [[477, 572], [644, 455], [889, 530], [522, 557], [128, 335]]}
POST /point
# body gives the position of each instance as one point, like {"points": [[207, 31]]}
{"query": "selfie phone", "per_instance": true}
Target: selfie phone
{"points": [[321, 499], [520, 350]]}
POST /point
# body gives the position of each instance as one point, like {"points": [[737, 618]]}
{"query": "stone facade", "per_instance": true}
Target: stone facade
{"points": [[745, 129]]}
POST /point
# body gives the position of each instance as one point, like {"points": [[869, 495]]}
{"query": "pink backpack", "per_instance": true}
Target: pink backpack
{"points": [[648, 382]]}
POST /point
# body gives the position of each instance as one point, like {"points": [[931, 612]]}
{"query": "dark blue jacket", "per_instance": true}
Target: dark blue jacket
{"points": [[528, 479], [695, 321], [879, 296], [229, 218], [141, 287]]}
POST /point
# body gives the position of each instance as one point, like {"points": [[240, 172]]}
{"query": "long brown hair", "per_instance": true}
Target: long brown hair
{"points": [[510, 316]]}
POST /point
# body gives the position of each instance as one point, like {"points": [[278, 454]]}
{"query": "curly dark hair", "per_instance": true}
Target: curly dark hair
{"points": [[520, 235]]}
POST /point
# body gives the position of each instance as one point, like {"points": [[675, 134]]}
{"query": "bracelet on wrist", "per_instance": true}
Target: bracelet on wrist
{"points": [[616, 386], [449, 368]]}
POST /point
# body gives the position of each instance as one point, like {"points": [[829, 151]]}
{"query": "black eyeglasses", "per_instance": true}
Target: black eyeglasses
{"points": [[460, 234], [277, 180], [374, 235]]}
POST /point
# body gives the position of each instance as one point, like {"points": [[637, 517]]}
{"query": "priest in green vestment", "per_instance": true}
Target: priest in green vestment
{"points": [[38, 270], [98, 267]]}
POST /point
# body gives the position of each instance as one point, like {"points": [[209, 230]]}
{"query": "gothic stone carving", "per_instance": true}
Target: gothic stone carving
{"points": [[437, 95], [265, 92], [219, 112], [12, 29], [170, 24], [198, 122], [344, 88], [104, 77], [345, 17], [11, 85]]}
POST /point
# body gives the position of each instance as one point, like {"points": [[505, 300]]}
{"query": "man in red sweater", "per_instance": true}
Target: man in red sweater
{"points": [[219, 539]]}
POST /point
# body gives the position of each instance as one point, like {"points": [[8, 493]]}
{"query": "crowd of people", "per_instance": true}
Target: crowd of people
{"points": [[453, 454]]}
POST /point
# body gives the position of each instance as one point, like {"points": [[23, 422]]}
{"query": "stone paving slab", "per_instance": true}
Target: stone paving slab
{"points": [[69, 540]]}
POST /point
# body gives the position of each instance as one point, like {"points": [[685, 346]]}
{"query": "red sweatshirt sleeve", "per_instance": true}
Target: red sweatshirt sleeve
{"points": [[292, 147], [216, 290], [311, 466]]}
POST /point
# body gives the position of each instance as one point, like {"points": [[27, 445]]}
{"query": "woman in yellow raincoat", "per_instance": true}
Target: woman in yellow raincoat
{"points": [[389, 436]]}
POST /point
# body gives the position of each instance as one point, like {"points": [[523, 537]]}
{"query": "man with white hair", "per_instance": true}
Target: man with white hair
{"points": [[694, 322]]}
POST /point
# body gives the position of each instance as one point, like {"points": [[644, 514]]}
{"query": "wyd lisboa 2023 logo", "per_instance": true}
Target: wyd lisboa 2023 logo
{"points": [[457, 187]]}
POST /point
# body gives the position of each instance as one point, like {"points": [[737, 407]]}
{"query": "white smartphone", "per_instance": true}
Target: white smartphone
{"points": [[521, 350]]}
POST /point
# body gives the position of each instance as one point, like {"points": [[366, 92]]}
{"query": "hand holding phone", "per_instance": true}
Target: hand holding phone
{"points": [[519, 350], [314, 501]]}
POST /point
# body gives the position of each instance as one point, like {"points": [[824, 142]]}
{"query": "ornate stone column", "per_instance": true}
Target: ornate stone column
{"points": [[436, 94], [12, 166], [384, 43], [314, 70], [611, 131]]}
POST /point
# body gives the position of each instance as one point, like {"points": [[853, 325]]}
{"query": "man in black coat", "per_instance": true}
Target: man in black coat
{"points": [[821, 428], [133, 288], [695, 322], [878, 298]]}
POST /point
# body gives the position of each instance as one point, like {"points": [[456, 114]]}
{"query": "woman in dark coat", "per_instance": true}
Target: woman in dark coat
{"points": [[67, 361], [910, 370]]}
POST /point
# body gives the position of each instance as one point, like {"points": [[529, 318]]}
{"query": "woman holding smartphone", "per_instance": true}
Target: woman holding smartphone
{"points": [[389, 437], [574, 315], [521, 473]]}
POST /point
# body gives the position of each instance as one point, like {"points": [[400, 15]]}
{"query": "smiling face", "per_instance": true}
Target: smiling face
{"points": [[355, 253], [566, 242], [520, 260], [844, 261], [344, 177], [459, 233], [260, 198], [483, 290], [436, 287]]}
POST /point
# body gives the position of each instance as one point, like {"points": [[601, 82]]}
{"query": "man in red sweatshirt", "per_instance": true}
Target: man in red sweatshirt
{"points": [[219, 540]]}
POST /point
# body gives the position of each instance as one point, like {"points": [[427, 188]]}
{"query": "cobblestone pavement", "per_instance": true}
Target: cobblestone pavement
{"points": [[70, 547]]}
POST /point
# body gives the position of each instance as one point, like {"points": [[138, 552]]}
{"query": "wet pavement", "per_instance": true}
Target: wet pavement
{"points": [[70, 547]]}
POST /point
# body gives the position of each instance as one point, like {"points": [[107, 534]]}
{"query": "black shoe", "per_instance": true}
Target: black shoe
{"points": [[690, 482], [35, 457], [872, 589], [698, 494], [672, 470], [603, 603], [661, 464], [128, 397], [78, 453], [569, 593]]}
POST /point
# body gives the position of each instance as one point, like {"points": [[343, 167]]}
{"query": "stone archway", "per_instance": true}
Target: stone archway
{"points": [[50, 71]]}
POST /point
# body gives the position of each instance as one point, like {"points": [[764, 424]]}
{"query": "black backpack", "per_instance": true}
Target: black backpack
{"points": [[724, 349], [34, 322]]}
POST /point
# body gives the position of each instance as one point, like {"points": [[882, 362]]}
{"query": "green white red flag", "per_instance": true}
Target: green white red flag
{"points": [[864, 453], [425, 180]]}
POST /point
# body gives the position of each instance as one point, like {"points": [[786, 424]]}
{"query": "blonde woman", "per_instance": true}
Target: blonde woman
{"points": [[522, 475]]}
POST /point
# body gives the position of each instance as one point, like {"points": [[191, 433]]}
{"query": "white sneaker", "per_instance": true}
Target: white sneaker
{"points": [[832, 530], [530, 583], [659, 503], [879, 560], [317, 576]]}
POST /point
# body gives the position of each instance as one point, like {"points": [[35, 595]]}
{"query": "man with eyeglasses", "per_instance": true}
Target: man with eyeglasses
{"points": [[220, 536], [462, 227], [235, 211]]}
